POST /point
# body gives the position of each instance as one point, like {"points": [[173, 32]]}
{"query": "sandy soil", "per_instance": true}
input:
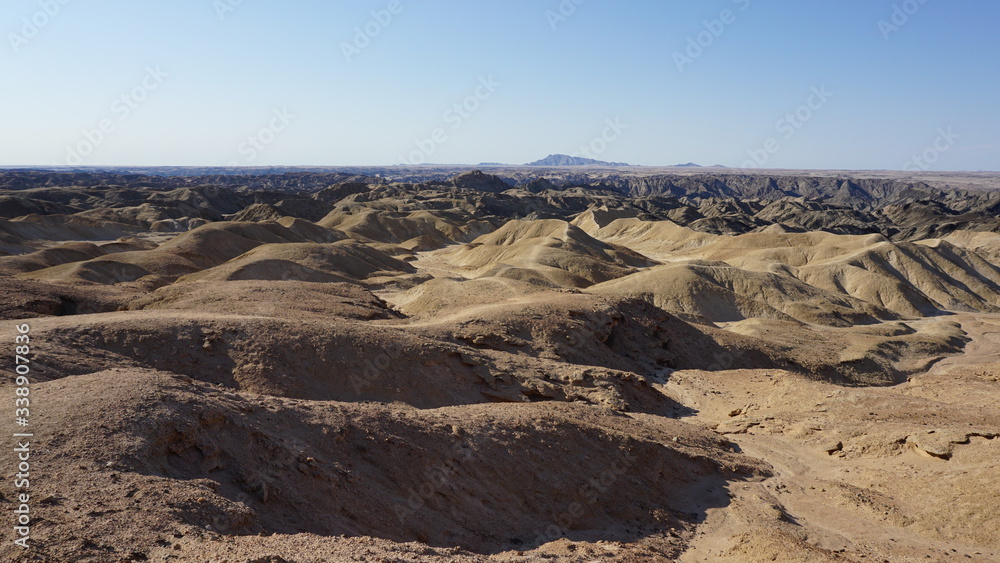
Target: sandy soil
{"points": [[445, 386]]}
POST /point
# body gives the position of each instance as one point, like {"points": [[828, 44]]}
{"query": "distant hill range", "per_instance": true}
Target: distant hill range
{"points": [[566, 160]]}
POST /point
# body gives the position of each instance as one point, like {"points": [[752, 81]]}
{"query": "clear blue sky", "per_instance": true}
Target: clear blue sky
{"points": [[894, 89]]}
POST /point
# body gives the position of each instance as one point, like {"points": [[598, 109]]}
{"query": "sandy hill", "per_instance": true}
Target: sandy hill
{"points": [[718, 292], [187, 253], [311, 231], [447, 294], [118, 268], [264, 298], [332, 262], [333, 359], [768, 251], [556, 250], [654, 238], [28, 299], [912, 279], [258, 212], [52, 256], [422, 230], [39, 228], [249, 466], [985, 244], [215, 243]]}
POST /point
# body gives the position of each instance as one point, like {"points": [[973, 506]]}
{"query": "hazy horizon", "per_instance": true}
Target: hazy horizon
{"points": [[481, 165]]}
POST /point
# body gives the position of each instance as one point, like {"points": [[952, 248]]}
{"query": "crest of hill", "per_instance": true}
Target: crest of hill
{"points": [[421, 229], [310, 231], [622, 334], [342, 261], [12, 206], [767, 251], [117, 268], [654, 238], [19, 235], [985, 244], [142, 215], [258, 212], [215, 243], [204, 247], [552, 249], [28, 299], [909, 279], [718, 292], [47, 257], [259, 437], [330, 357], [480, 182], [816, 216], [281, 299], [912, 278], [446, 294], [339, 191]]}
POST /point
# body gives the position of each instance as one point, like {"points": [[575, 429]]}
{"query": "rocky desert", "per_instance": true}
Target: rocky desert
{"points": [[501, 363]]}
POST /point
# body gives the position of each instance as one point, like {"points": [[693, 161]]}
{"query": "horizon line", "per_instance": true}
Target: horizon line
{"points": [[690, 166]]}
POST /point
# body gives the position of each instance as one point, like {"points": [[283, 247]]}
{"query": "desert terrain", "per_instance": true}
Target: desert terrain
{"points": [[508, 364]]}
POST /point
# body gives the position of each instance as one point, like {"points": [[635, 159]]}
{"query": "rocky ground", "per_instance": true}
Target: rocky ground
{"points": [[304, 367]]}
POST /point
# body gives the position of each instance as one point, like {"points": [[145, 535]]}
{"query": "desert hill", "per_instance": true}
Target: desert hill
{"points": [[535, 364], [719, 202], [332, 262], [559, 251]]}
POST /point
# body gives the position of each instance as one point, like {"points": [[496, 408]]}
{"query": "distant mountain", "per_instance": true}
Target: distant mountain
{"points": [[687, 165], [492, 164], [566, 160]]}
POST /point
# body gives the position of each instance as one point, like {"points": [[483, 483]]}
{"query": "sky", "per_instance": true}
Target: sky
{"points": [[807, 84]]}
